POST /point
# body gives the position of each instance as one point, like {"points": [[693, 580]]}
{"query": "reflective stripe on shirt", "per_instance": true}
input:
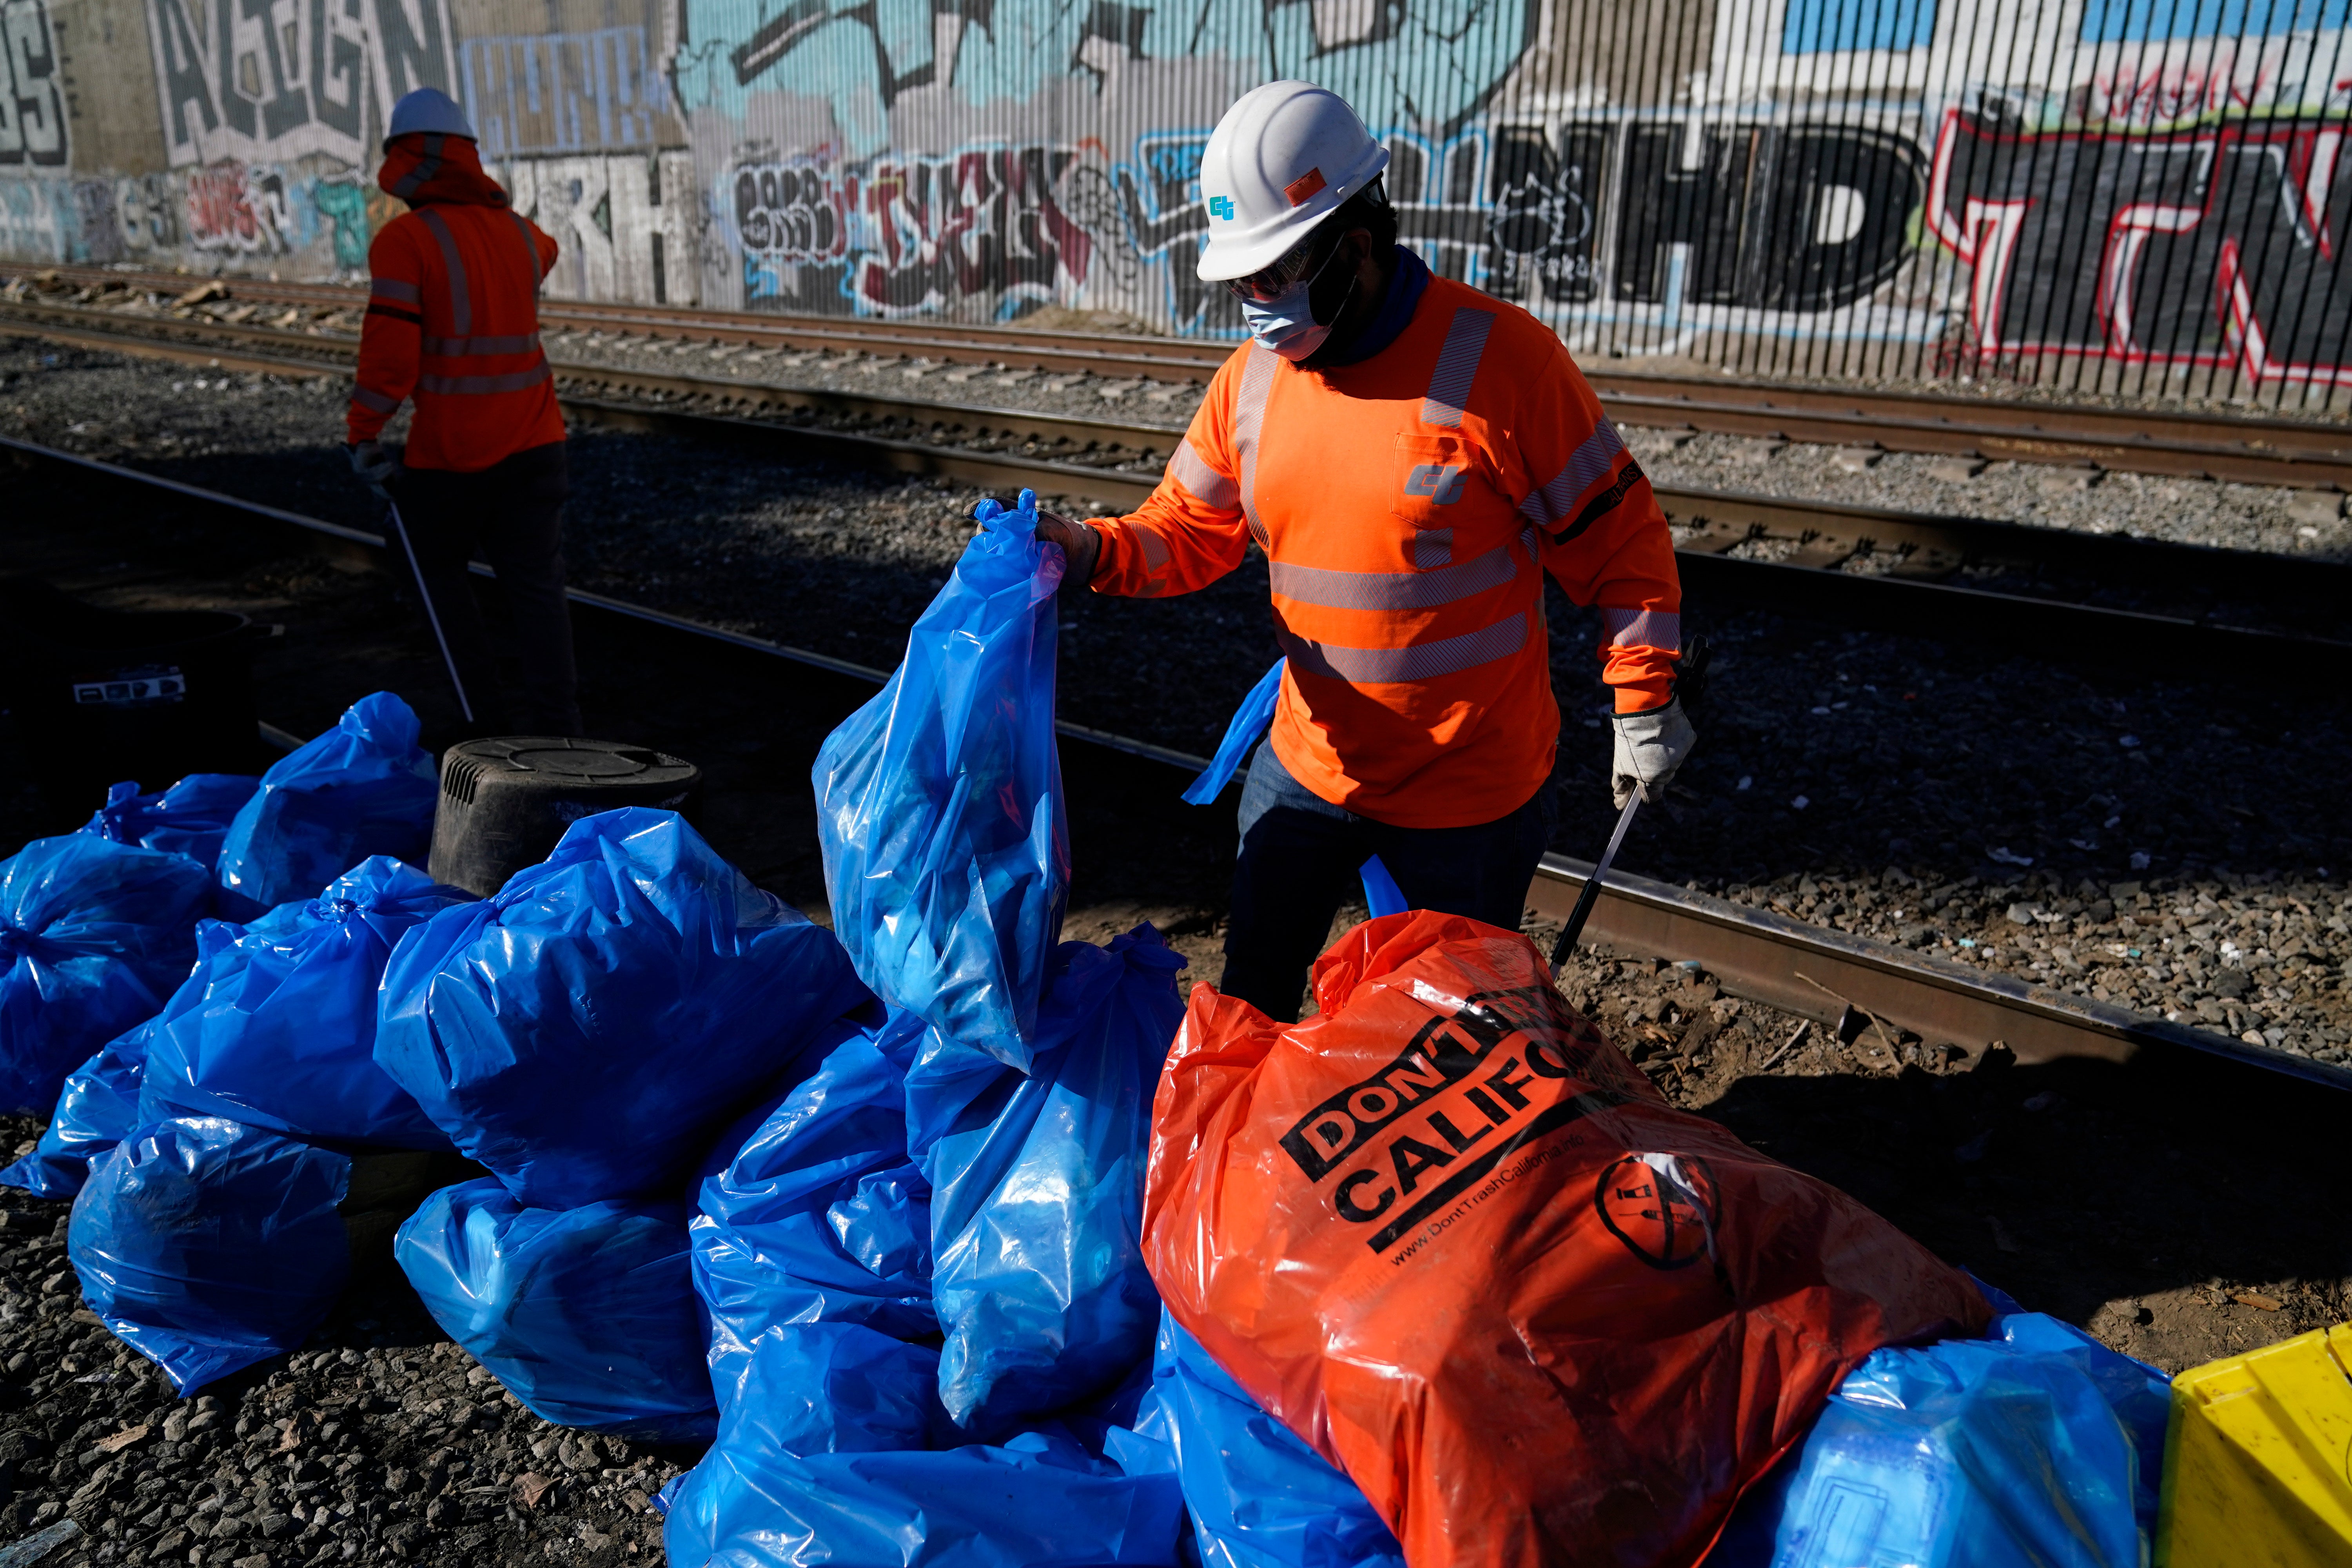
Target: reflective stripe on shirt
{"points": [[1421, 661], [1553, 498], [1189, 468], [455, 347], [1393, 589], [461, 307], [1457, 368], [1642, 628], [484, 385], [392, 289], [1249, 417]]}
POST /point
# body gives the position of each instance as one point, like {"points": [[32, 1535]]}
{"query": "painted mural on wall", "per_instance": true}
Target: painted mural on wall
{"points": [[32, 92], [2122, 184], [260, 80]]}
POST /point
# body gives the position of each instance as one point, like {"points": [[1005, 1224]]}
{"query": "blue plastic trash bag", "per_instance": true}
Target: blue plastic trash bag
{"points": [[586, 1032], [93, 936], [940, 802], [2037, 1445], [1242, 731], [363, 788], [1041, 1499], [1259, 1497], [207, 1246], [190, 818], [1038, 1188], [820, 1218], [280, 1031], [587, 1315], [97, 1110]]}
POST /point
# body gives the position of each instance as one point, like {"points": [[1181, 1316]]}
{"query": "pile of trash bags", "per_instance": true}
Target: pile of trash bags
{"points": [[586, 1034], [208, 1080], [955, 1243]]}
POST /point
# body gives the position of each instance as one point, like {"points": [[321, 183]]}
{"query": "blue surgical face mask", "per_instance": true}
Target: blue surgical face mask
{"points": [[1286, 323]]}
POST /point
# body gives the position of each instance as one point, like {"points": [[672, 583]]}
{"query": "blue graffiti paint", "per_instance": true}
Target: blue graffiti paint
{"points": [[1427, 63]]}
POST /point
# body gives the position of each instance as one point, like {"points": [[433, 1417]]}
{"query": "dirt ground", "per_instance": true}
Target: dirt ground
{"points": [[2181, 1208]]}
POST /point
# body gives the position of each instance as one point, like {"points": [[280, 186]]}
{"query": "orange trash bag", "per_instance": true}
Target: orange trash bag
{"points": [[1447, 1234]]}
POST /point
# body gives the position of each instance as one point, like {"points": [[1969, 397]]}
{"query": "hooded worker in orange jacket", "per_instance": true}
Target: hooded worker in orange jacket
{"points": [[452, 324], [1412, 456]]}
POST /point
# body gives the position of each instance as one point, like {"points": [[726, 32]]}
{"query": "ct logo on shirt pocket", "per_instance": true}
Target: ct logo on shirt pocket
{"points": [[1440, 482]]}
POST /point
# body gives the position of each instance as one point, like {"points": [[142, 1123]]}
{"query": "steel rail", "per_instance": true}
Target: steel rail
{"points": [[1812, 971], [1113, 465], [1818, 973], [2251, 449]]}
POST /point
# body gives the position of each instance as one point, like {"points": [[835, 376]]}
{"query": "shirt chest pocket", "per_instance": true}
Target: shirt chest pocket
{"points": [[1431, 479]]}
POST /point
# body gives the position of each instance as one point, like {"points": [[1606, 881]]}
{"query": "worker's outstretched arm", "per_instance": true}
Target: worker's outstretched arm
{"points": [[1602, 536], [390, 334], [1190, 531]]}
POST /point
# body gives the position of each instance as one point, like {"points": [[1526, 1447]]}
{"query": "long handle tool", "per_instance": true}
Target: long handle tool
{"points": [[1591, 894], [432, 611]]}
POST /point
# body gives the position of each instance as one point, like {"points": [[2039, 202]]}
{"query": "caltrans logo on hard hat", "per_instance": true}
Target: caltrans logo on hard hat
{"points": [[1283, 159]]}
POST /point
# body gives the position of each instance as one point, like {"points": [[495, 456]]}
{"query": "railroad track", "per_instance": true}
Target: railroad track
{"points": [[2311, 454], [1810, 971], [2184, 607]]}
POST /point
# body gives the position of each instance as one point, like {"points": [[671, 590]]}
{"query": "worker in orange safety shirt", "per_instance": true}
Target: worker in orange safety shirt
{"points": [[1412, 456], [453, 323]]}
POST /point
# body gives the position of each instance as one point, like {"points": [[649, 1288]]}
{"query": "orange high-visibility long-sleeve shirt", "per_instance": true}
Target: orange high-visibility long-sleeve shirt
{"points": [[453, 315], [1408, 506]]}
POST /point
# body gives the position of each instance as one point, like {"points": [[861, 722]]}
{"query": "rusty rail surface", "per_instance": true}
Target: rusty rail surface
{"points": [[1812, 971], [2251, 449]]}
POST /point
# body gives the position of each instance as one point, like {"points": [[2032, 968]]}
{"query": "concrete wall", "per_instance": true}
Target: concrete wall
{"points": [[2138, 195]]}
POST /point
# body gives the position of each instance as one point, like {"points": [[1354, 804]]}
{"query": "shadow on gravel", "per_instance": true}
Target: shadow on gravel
{"points": [[2136, 1199]]}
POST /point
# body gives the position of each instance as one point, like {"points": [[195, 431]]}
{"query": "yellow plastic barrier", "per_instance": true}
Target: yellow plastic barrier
{"points": [[2258, 1460]]}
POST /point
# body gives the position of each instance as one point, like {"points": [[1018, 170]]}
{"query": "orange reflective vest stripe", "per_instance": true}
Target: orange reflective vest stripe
{"points": [[1408, 508]]}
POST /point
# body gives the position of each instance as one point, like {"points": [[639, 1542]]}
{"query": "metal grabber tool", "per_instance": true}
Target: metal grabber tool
{"points": [[1690, 684]]}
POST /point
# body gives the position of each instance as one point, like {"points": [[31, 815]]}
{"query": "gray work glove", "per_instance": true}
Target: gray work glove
{"points": [[375, 464], [1650, 747], [1080, 544]]}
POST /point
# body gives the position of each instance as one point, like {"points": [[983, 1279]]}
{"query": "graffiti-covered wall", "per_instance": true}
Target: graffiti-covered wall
{"points": [[2138, 195]]}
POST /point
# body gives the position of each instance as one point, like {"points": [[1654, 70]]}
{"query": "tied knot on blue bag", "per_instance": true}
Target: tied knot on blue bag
{"points": [[335, 910], [1021, 521], [15, 941], [114, 816]]}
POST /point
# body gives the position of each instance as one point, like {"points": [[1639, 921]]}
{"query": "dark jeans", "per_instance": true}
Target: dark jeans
{"points": [[513, 511], [1299, 862]]}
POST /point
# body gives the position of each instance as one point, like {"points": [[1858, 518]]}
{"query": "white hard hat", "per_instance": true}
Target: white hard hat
{"points": [[1280, 162], [427, 108]]}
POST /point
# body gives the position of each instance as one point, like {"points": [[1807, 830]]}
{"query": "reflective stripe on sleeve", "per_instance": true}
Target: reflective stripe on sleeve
{"points": [[461, 307], [1249, 416], [456, 347], [1423, 661], [1552, 500], [1192, 470], [375, 401], [484, 385], [393, 290], [1457, 368], [1334, 590], [1642, 628], [530, 250]]}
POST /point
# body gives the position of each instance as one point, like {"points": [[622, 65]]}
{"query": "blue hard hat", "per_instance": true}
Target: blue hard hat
{"points": [[427, 108]]}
